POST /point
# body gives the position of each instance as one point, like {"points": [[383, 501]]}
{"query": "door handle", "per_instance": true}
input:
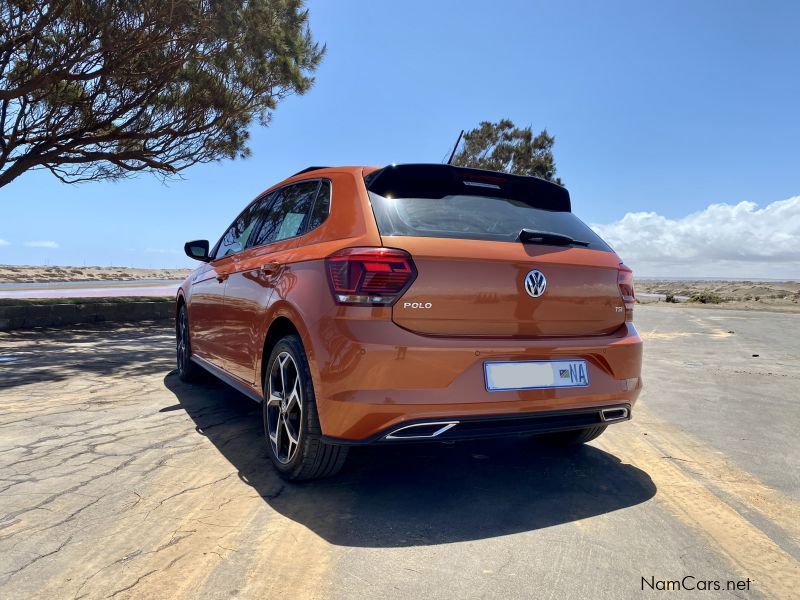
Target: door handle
{"points": [[222, 277]]}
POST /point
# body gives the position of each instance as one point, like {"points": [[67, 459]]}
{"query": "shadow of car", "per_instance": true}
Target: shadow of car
{"points": [[420, 494]]}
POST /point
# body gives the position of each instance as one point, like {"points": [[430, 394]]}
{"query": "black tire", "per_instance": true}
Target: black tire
{"points": [[188, 371], [291, 424], [572, 438]]}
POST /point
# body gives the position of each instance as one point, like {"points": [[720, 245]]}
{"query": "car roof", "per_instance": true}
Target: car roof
{"points": [[436, 180]]}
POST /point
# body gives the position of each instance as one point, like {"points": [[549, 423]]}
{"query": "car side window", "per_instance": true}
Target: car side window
{"points": [[322, 206], [235, 239], [286, 213]]}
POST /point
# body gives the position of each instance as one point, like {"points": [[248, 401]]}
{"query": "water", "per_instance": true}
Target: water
{"points": [[86, 283], [90, 289]]}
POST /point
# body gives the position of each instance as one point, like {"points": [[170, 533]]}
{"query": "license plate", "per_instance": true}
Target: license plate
{"points": [[536, 374]]}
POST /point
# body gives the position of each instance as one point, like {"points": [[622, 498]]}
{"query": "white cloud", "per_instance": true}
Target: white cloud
{"points": [[42, 244], [4, 242], [724, 240]]}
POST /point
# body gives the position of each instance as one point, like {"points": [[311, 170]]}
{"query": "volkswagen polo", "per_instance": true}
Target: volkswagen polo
{"points": [[364, 305]]}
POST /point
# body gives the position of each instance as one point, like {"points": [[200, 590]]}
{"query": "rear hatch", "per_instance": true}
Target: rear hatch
{"points": [[462, 229]]}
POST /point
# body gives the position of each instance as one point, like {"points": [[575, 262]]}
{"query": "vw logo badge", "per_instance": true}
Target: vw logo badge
{"points": [[535, 283]]}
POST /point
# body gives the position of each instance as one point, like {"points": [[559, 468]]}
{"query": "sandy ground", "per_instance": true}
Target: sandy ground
{"points": [[117, 480], [783, 296], [32, 274]]}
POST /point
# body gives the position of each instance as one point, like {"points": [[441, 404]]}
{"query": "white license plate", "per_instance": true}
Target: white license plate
{"points": [[536, 374]]}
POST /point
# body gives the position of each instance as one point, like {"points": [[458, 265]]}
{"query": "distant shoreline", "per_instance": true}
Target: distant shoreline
{"points": [[17, 281], [82, 283], [95, 274]]}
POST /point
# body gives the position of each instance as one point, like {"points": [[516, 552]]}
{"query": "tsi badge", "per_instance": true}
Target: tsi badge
{"points": [[535, 283]]}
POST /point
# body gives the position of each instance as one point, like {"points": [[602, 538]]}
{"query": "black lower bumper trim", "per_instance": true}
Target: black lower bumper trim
{"points": [[494, 426]]}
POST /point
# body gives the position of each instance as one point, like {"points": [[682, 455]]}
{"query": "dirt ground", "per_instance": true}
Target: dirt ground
{"points": [[119, 481]]}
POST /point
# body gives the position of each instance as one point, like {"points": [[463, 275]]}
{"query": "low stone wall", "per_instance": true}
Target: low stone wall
{"points": [[56, 315]]}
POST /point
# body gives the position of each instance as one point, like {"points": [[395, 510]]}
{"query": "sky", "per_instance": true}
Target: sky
{"points": [[677, 129]]}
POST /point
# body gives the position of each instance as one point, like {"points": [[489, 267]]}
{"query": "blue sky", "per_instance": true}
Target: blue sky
{"points": [[657, 108]]}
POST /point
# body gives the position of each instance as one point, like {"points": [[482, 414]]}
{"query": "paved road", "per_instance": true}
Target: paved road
{"points": [[118, 481]]}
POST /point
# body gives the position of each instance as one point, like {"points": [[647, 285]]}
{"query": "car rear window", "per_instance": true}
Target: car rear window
{"points": [[483, 217]]}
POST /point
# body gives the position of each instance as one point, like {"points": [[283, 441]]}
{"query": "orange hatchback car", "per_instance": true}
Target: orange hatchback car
{"points": [[412, 303]]}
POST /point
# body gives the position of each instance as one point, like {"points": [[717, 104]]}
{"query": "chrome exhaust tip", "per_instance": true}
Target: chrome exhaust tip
{"points": [[609, 415], [421, 431]]}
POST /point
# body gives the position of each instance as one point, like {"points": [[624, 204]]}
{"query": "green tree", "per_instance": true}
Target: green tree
{"points": [[100, 89], [502, 146]]}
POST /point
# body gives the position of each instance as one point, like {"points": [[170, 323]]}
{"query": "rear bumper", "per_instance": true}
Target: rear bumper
{"points": [[371, 377], [495, 426]]}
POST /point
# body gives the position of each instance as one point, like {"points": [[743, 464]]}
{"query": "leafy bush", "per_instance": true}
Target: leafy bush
{"points": [[706, 298]]}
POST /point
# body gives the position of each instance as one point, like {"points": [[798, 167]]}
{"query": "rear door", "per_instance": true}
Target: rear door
{"points": [[262, 266]]}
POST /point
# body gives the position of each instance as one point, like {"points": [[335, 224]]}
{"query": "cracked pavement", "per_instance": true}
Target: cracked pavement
{"points": [[119, 481]]}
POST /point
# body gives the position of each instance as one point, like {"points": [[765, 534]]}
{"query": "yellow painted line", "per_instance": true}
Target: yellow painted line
{"points": [[713, 466], [681, 490], [674, 335], [291, 561]]}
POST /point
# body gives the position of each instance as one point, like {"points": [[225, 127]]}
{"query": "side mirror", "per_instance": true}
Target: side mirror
{"points": [[198, 250]]}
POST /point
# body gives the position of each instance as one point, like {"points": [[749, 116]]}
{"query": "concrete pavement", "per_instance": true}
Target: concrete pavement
{"points": [[117, 480]]}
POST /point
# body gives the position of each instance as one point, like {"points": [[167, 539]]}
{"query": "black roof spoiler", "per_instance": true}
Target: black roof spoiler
{"points": [[307, 169], [440, 180]]}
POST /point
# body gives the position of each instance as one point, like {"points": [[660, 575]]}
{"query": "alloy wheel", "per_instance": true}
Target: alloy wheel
{"points": [[284, 407]]}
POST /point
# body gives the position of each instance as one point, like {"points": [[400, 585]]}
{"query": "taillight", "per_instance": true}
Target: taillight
{"points": [[625, 282], [370, 276]]}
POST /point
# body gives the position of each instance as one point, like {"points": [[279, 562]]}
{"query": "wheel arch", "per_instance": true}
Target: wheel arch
{"points": [[180, 301], [285, 320]]}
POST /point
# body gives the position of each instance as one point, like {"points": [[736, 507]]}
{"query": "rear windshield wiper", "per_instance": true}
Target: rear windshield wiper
{"points": [[531, 236]]}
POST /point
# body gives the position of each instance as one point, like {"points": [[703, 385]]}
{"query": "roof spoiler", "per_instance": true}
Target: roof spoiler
{"points": [[438, 180], [307, 169]]}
